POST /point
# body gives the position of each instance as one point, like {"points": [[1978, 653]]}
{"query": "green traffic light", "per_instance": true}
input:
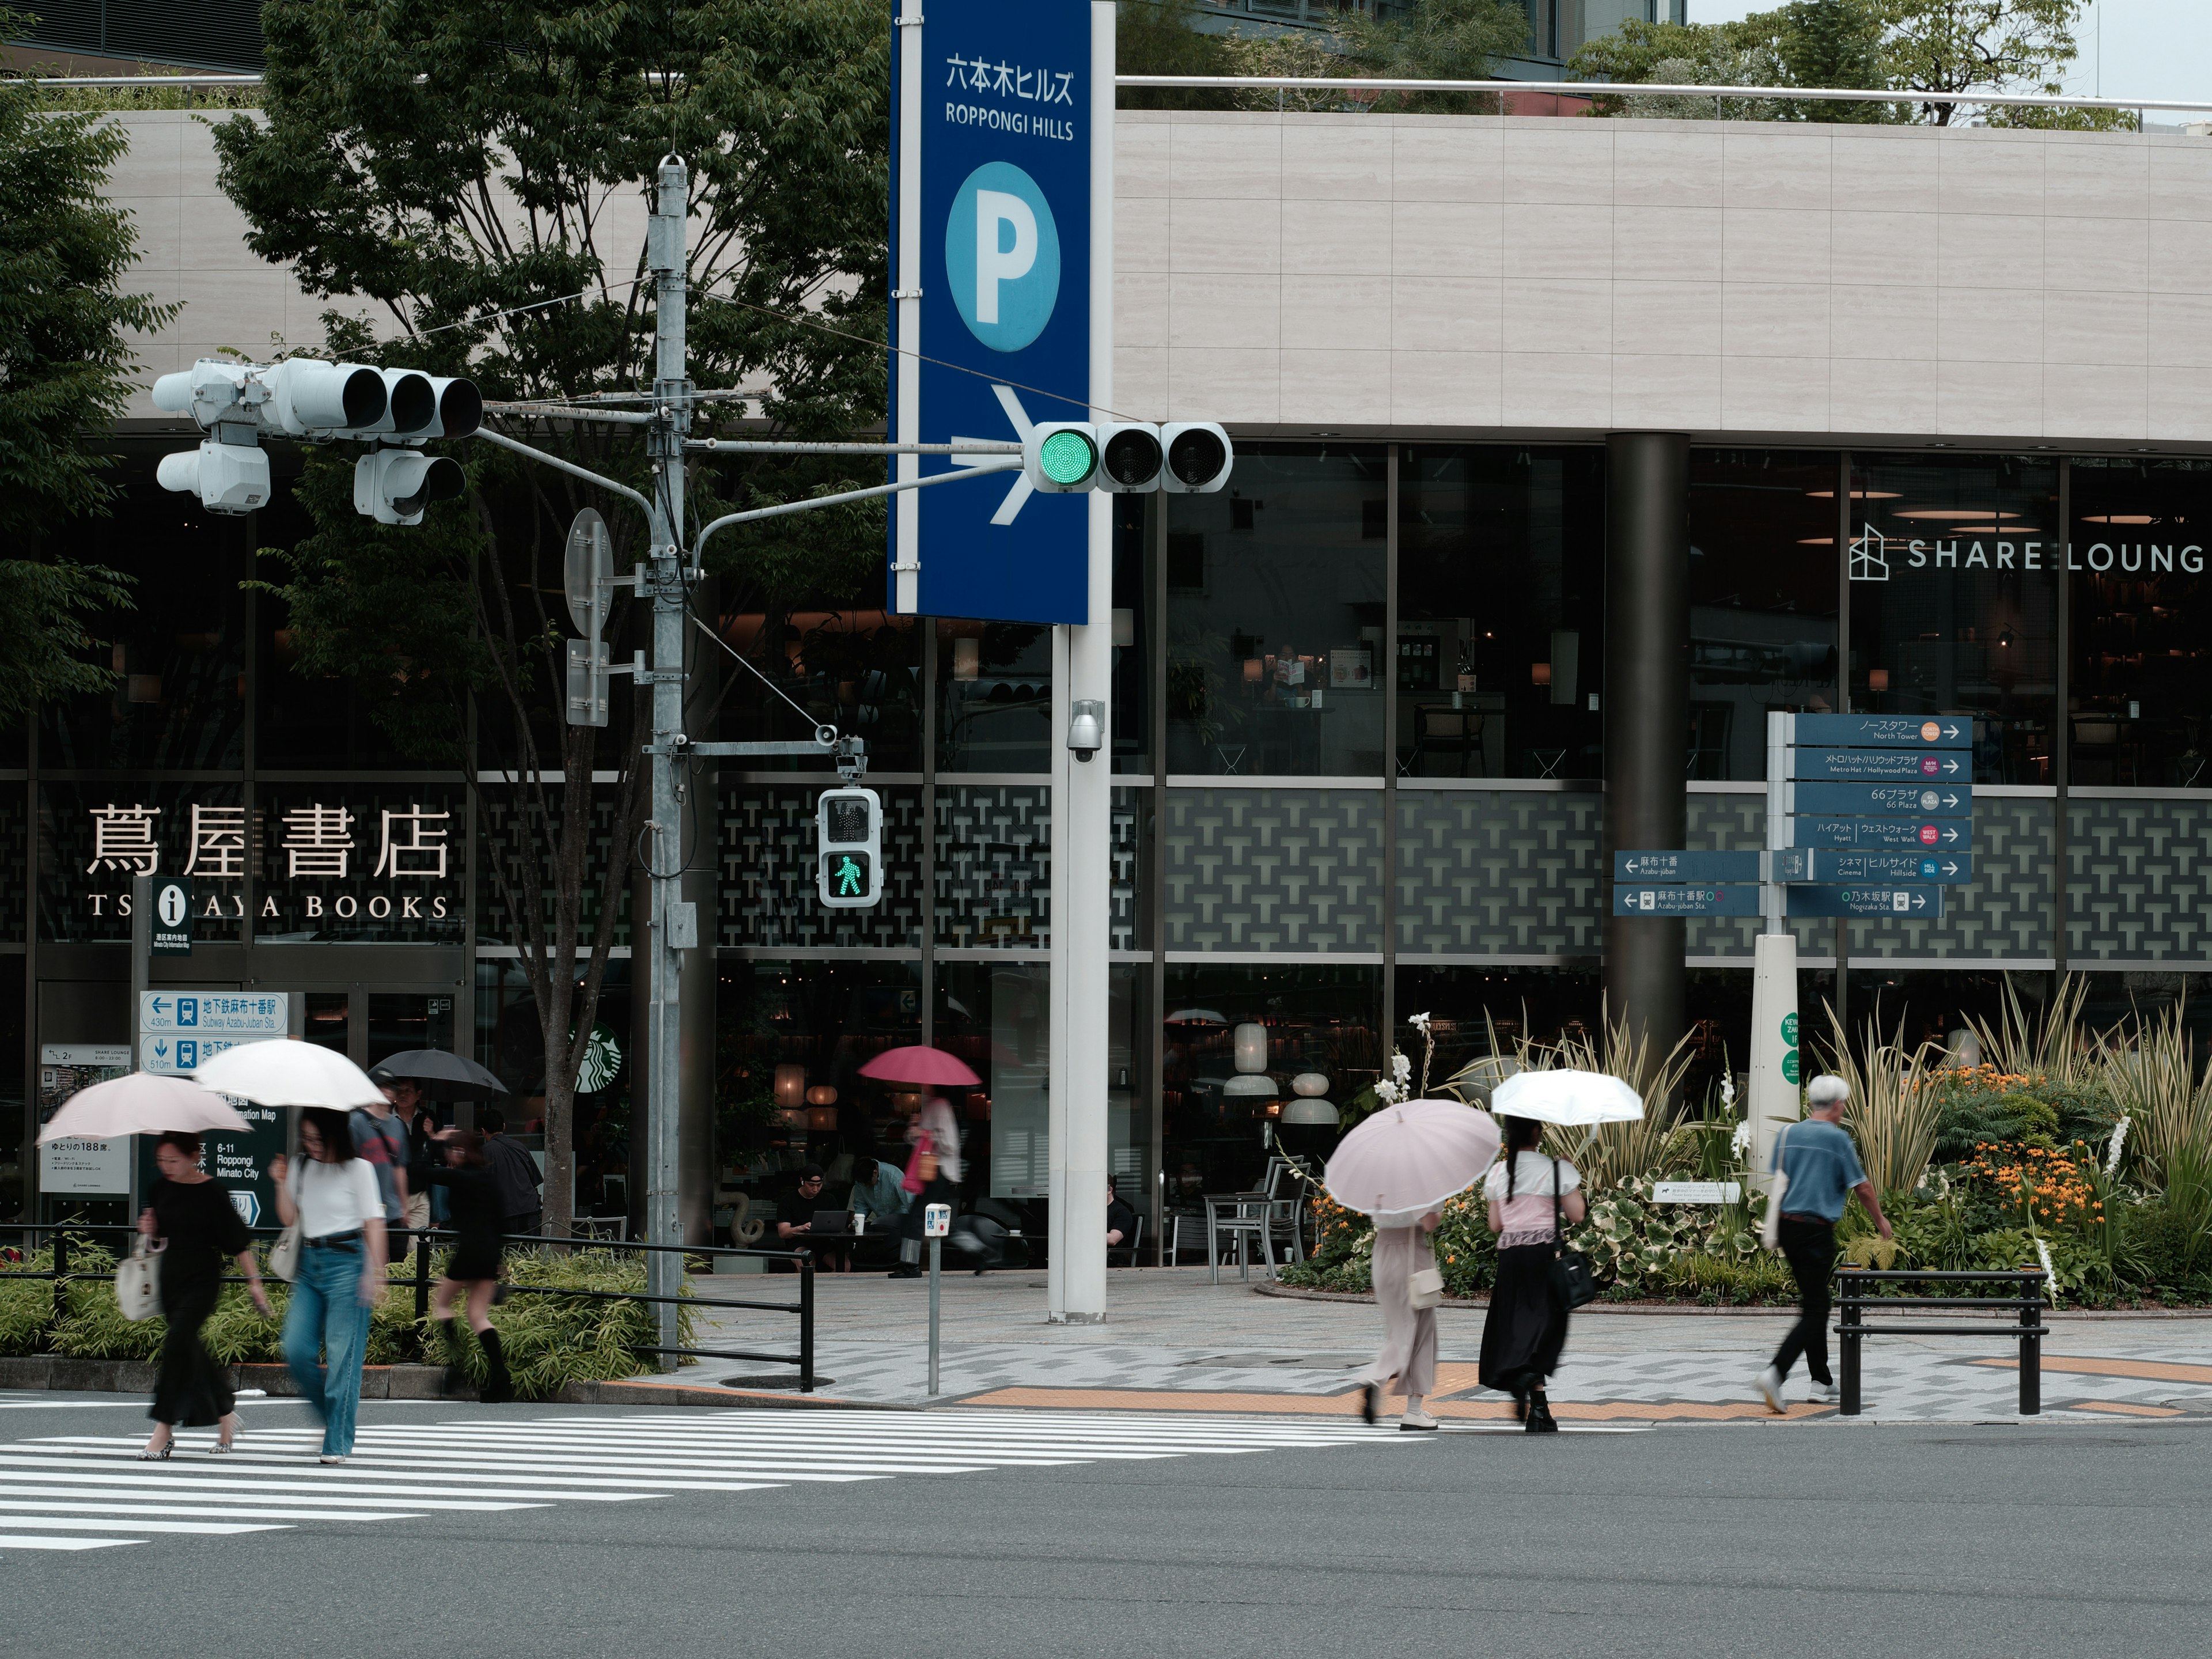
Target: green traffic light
{"points": [[847, 872], [1067, 458]]}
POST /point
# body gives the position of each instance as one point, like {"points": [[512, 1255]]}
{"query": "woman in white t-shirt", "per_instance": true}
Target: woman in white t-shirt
{"points": [[333, 1197], [1527, 1325]]}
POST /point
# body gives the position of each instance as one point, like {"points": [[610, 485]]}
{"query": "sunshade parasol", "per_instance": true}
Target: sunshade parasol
{"points": [[1574, 1099], [143, 1103], [1410, 1156], [279, 1073], [439, 1073], [930, 1067]]}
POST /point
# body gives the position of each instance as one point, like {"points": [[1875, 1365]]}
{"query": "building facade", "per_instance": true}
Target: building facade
{"points": [[1921, 411]]}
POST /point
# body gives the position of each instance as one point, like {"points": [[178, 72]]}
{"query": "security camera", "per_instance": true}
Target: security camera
{"points": [[1086, 731]]}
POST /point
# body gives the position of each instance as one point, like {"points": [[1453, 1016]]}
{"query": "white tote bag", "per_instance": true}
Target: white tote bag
{"points": [[138, 1281], [1770, 1229]]}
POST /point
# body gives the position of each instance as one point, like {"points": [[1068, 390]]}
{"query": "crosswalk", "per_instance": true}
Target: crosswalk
{"points": [[88, 1492]]}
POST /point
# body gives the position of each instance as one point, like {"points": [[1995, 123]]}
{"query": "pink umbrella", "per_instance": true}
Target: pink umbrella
{"points": [[1411, 1157], [930, 1067], [142, 1103]]}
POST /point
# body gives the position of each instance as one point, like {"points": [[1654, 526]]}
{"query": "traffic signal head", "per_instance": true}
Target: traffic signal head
{"points": [[1061, 457], [1199, 458], [309, 399], [227, 478], [460, 407], [849, 849], [1129, 457], [393, 486]]}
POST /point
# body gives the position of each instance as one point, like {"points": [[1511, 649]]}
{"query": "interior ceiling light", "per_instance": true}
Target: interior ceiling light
{"points": [[1857, 495], [2120, 518], [1952, 512]]}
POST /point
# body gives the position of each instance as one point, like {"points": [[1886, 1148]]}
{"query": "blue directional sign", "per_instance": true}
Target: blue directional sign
{"points": [[1691, 900], [1947, 834], [1685, 867], [1913, 904], [1003, 341], [1841, 865], [1937, 766], [1947, 800], [1883, 731]]}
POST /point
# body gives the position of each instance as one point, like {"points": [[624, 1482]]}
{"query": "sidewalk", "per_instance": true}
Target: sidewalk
{"points": [[1173, 1342]]}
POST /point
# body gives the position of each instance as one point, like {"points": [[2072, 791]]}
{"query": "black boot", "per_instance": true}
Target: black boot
{"points": [[454, 1377], [499, 1387], [1539, 1414], [1519, 1405]]}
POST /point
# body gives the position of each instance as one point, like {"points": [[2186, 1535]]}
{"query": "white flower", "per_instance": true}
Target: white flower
{"points": [[1419, 1022], [2044, 1251], [1728, 1092], [1740, 1142], [2119, 1139], [1402, 1068], [1387, 1093]]}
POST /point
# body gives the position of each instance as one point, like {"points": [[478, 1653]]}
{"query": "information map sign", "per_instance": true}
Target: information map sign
{"points": [[999, 338]]}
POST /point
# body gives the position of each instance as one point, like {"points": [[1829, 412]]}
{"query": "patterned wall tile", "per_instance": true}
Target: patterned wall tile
{"points": [[2138, 880], [507, 830], [766, 894], [1499, 872], [1267, 870], [993, 866], [1733, 824], [15, 855]]}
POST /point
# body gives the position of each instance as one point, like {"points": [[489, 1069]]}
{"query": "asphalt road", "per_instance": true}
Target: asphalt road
{"points": [[1797, 1541]]}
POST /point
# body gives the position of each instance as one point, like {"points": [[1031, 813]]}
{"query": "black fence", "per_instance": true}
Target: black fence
{"points": [[424, 1240], [1853, 1327]]}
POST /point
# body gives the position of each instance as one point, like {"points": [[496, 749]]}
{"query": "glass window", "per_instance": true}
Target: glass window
{"points": [[994, 697], [2140, 702], [1134, 516], [997, 1016], [1500, 653], [1219, 1110], [1763, 582], [859, 670], [1953, 573], [180, 650], [1275, 616]]}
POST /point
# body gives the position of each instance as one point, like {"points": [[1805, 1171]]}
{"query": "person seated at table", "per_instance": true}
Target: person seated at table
{"points": [[879, 1191], [1120, 1222], [797, 1232]]}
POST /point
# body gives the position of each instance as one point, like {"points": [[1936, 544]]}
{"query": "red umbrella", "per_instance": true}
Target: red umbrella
{"points": [[931, 1067]]}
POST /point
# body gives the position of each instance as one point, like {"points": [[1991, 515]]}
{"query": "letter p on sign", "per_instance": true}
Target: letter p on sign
{"points": [[1002, 256], [997, 212]]}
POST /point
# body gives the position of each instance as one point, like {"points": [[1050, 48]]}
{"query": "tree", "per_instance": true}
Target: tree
{"points": [[1437, 40], [1162, 36], [463, 168], [1744, 54], [1832, 43], [1968, 45], [66, 367]]}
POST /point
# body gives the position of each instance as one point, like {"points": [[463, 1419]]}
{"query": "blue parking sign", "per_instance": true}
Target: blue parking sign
{"points": [[1000, 337]]}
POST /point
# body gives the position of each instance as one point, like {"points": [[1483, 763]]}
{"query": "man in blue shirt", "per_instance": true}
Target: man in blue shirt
{"points": [[1821, 1166]]}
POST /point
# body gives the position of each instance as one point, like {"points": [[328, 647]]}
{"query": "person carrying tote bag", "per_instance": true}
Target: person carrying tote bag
{"points": [[196, 1226], [1532, 1199], [331, 1196], [1407, 1288]]}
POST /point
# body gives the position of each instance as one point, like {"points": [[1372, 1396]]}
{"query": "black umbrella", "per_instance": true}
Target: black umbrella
{"points": [[439, 1073]]}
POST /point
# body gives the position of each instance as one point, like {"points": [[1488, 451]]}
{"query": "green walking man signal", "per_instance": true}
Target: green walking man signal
{"points": [[849, 825]]}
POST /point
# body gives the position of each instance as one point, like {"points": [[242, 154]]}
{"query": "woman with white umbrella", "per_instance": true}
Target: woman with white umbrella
{"points": [[1532, 1199], [333, 1200], [1399, 1167]]}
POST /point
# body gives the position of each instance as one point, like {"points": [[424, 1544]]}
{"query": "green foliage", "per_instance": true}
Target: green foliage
{"points": [[1832, 43], [550, 1341], [1161, 37], [1436, 40]]}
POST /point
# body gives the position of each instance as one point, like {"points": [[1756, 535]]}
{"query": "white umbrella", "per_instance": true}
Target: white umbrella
{"points": [[279, 1073], [142, 1103], [1410, 1156], [1575, 1098]]}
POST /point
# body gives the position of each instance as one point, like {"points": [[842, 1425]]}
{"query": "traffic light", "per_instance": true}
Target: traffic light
{"points": [[1130, 458], [849, 849], [1199, 458], [318, 402], [393, 486], [1061, 457]]}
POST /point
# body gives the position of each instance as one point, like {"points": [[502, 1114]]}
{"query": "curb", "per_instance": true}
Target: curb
{"points": [[1772, 1310], [59, 1374]]}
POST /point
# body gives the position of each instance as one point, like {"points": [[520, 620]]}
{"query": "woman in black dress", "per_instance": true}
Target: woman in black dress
{"points": [[472, 1196], [194, 1218], [1531, 1197]]}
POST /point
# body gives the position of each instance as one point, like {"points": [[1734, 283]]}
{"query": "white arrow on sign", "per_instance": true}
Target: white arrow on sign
{"points": [[1950, 766], [1950, 731], [1950, 834], [1018, 417], [1950, 869], [1950, 801], [1920, 901]]}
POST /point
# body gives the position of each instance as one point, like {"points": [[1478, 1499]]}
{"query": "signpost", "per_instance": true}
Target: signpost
{"points": [[227, 1014], [1922, 903], [179, 1032], [1949, 800], [172, 932], [1881, 832], [1740, 901]]}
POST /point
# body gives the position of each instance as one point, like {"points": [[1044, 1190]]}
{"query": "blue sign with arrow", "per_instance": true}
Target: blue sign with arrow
{"points": [[1685, 901], [1902, 764], [1836, 864], [1948, 835], [1000, 337], [1913, 904], [1685, 867], [1948, 801], [1883, 731]]}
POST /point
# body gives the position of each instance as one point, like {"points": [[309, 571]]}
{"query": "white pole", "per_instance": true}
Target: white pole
{"points": [[1083, 803], [1773, 1059], [906, 568]]}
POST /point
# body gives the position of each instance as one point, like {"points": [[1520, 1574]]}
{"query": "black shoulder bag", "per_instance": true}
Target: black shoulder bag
{"points": [[1572, 1281]]}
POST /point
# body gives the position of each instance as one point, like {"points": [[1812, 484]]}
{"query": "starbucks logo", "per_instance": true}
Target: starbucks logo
{"points": [[602, 1062]]}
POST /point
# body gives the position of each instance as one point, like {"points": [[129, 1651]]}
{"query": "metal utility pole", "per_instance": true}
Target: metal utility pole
{"points": [[666, 576]]}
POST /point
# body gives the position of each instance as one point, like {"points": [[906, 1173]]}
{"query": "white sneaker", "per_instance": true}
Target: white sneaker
{"points": [[1769, 1390], [1821, 1393], [331, 1457], [1416, 1420]]}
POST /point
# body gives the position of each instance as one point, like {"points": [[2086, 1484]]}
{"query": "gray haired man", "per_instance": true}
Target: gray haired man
{"points": [[1822, 1168]]}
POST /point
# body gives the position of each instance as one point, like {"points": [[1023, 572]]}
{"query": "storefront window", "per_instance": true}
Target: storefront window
{"points": [[1500, 653], [996, 1016], [1221, 1100], [2140, 701], [994, 697], [1954, 576], [1133, 625], [1763, 581], [1275, 617], [859, 670]]}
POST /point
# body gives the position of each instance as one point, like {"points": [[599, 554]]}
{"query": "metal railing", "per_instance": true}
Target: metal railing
{"points": [[1853, 1328], [62, 1233]]}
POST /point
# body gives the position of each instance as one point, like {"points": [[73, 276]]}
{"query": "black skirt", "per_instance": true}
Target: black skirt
{"points": [[1526, 1325], [191, 1391]]}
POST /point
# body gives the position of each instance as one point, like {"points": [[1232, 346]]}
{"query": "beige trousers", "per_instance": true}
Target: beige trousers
{"points": [[1408, 1359]]}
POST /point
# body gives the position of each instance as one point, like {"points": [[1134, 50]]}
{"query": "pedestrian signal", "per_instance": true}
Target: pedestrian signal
{"points": [[848, 831]]}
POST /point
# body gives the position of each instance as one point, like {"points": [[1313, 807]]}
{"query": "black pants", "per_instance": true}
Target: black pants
{"points": [[1810, 1249], [192, 1391]]}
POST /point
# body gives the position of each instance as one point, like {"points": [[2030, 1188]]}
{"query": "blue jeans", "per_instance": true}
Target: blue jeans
{"points": [[327, 1314]]}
